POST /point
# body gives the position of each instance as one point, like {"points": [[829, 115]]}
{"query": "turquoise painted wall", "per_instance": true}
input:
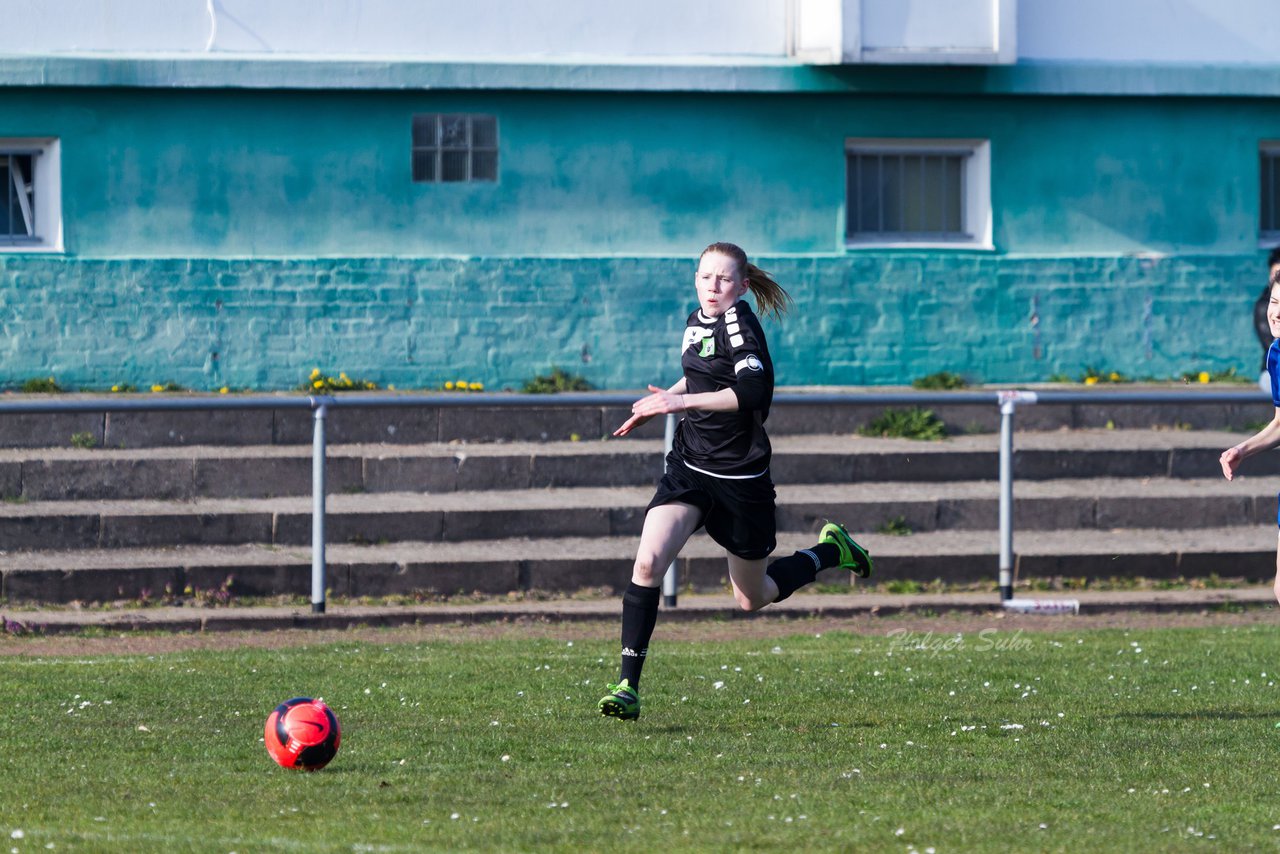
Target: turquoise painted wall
{"points": [[864, 319], [243, 237], [216, 173]]}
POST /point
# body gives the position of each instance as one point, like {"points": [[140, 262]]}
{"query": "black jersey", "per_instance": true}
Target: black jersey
{"points": [[718, 353]]}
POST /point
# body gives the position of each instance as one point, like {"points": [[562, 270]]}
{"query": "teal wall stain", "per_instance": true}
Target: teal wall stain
{"points": [[213, 173], [243, 237]]}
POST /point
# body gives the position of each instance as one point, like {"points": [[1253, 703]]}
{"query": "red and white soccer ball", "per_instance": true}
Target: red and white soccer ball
{"points": [[302, 733]]}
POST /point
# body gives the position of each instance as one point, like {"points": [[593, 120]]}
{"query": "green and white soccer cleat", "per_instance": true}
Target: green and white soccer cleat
{"points": [[622, 702], [853, 557]]}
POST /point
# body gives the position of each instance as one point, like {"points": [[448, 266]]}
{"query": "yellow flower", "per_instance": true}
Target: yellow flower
{"points": [[157, 388], [342, 375], [1204, 376], [223, 390], [315, 372], [1115, 377], [462, 384], [1090, 380], [448, 386], [574, 437], [318, 384], [115, 388], [476, 386]]}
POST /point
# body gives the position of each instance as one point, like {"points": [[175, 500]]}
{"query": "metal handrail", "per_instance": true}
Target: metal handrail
{"points": [[1007, 400]]}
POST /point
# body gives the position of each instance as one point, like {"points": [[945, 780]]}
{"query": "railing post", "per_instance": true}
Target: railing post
{"points": [[1007, 407], [317, 507], [670, 581], [1009, 401]]}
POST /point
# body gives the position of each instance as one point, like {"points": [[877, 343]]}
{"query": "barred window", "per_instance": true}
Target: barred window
{"points": [[30, 195], [913, 192], [17, 180], [1269, 204], [454, 147]]}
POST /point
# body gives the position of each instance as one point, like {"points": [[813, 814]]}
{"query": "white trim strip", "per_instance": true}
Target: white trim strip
{"points": [[725, 476]]}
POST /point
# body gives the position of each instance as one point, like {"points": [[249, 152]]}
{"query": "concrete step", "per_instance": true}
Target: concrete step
{"points": [[267, 471], [561, 565], [1072, 505]]}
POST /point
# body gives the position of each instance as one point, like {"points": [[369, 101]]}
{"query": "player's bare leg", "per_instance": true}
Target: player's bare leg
{"points": [[751, 586], [667, 528], [1276, 587]]}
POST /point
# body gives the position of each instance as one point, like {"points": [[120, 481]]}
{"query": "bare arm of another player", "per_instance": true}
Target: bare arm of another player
{"points": [[1264, 440], [675, 399]]}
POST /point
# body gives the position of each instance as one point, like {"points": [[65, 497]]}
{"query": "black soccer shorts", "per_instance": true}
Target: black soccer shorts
{"points": [[739, 514]]}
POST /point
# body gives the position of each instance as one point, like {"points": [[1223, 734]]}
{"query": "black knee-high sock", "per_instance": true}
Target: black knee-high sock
{"points": [[801, 568], [639, 616]]}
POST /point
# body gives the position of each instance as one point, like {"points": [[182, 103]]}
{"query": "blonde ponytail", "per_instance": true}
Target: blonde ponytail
{"points": [[771, 298]]}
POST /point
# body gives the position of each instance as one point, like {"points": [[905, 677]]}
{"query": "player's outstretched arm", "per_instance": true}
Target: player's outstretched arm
{"points": [[1264, 440], [658, 402]]}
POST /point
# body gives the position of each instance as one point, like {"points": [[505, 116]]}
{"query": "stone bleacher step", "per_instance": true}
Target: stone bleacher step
{"points": [[282, 470], [563, 565], [1070, 504]]}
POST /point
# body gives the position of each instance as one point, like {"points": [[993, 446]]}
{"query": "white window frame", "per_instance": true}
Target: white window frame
{"points": [[975, 208], [1269, 148], [46, 178]]}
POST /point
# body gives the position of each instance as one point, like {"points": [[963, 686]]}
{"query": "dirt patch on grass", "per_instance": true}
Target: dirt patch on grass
{"points": [[681, 630]]}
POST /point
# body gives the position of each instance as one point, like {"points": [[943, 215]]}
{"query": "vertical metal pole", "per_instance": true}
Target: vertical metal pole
{"points": [[317, 511], [1006, 498], [670, 581]]}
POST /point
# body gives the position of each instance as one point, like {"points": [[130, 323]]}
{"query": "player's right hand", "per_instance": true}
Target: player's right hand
{"points": [[631, 423], [1230, 461]]}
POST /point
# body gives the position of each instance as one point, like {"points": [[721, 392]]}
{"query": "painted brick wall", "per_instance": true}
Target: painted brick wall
{"points": [[861, 319]]}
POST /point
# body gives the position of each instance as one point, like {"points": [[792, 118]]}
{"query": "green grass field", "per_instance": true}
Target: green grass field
{"points": [[1078, 740]]}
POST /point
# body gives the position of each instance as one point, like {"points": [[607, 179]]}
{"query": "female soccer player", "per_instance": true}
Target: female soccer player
{"points": [[718, 469], [1269, 436]]}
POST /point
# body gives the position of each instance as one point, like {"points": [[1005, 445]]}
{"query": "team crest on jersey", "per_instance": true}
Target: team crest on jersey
{"points": [[695, 334]]}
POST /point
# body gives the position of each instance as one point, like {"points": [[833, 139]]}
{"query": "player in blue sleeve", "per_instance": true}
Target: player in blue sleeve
{"points": [[718, 469], [1269, 436]]}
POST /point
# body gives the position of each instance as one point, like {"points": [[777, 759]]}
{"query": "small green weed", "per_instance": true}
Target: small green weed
{"points": [[912, 423], [318, 381], [1093, 376], [941, 381], [903, 585], [1228, 376], [16, 628], [83, 440], [557, 380], [896, 527], [42, 385]]}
